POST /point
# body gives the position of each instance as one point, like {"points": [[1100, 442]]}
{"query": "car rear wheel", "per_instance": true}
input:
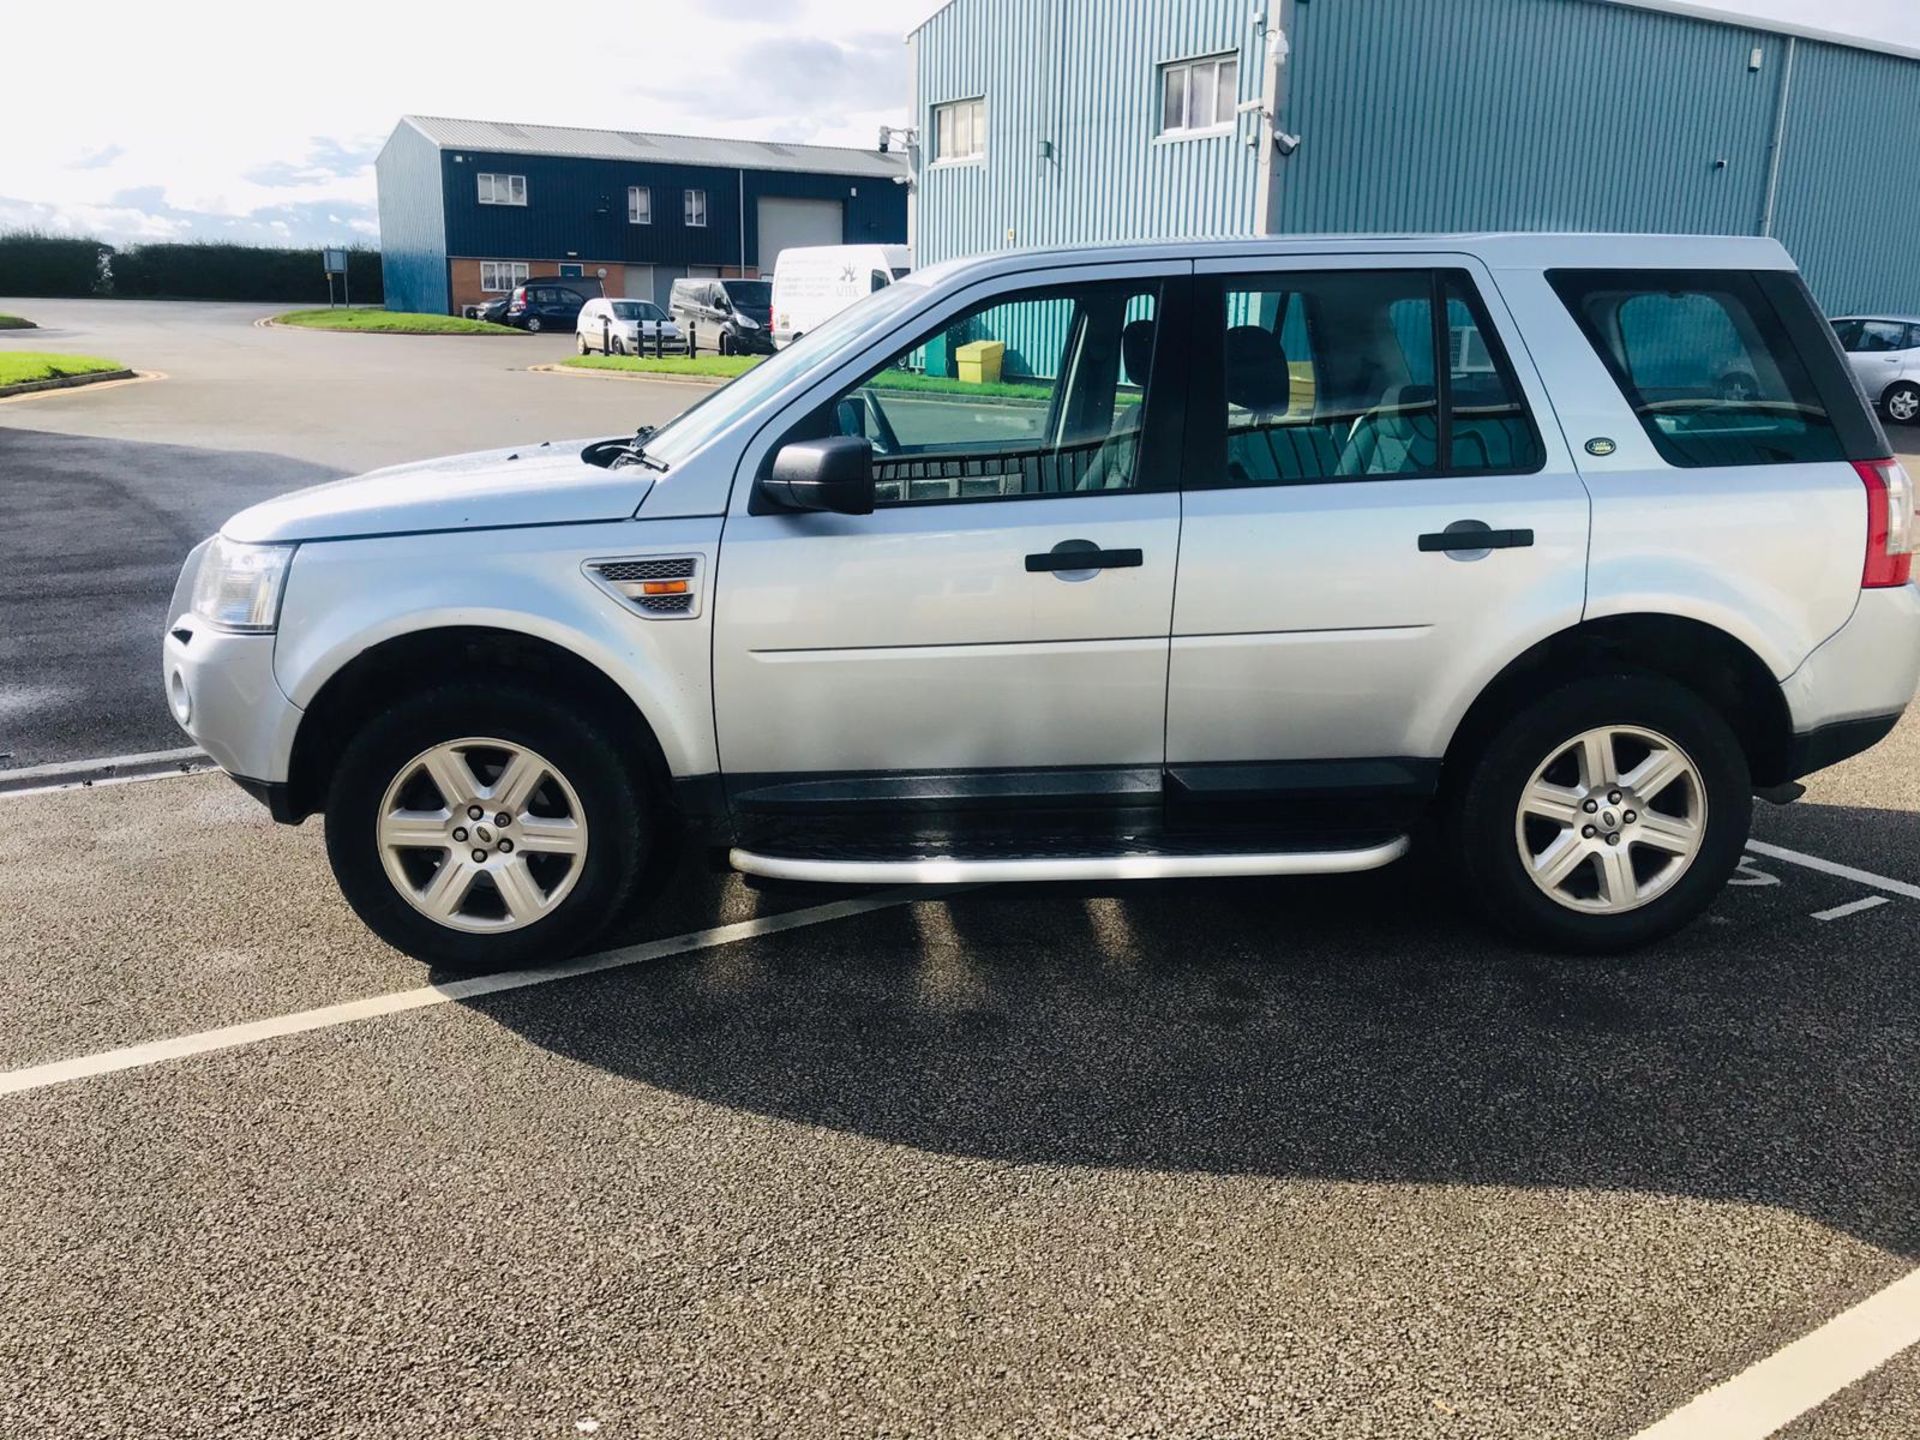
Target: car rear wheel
{"points": [[1607, 815], [1902, 403], [485, 827], [533, 324]]}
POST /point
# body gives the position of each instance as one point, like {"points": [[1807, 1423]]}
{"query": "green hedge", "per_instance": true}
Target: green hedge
{"points": [[32, 264], [35, 264]]}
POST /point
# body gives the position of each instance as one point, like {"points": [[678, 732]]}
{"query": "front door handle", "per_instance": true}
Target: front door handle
{"points": [[1472, 535], [1082, 555]]}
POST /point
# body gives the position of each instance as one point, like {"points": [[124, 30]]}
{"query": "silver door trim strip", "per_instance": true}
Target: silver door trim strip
{"points": [[949, 870]]}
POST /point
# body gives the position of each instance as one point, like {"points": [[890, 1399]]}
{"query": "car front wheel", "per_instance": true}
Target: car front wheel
{"points": [[485, 827], [1607, 815]]}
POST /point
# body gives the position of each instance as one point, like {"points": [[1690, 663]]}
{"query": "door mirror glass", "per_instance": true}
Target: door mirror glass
{"points": [[834, 475]]}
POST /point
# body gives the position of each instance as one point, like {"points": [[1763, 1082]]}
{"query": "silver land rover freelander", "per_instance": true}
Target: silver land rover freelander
{"points": [[1258, 555]]}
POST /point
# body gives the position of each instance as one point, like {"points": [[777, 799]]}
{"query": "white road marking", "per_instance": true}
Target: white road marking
{"points": [[227, 1037], [1852, 907], [1788, 1383], [1829, 867]]}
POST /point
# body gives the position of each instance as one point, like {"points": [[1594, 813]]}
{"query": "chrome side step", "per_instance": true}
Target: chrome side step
{"points": [[952, 870]]}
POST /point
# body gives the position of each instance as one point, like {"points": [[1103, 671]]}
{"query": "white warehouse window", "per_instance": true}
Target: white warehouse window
{"points": [[639, 205], [696, 208], [503, 189], [960, 130], [500, 276], [1198, 96]]}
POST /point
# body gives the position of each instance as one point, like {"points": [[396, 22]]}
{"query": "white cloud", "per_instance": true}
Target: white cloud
{"points": [[287, 104]]}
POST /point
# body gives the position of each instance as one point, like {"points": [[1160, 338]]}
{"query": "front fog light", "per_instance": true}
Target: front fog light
{"points": [[239, 586]]}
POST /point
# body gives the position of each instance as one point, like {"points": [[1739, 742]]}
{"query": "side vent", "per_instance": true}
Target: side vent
{"points": [[660, 587]]}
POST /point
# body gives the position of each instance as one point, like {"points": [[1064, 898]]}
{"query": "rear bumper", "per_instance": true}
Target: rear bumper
{"points": [[1868, 670], [1830, 744]]}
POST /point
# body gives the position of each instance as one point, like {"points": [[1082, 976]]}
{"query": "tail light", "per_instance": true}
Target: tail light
{"points": [[1890, 523]]}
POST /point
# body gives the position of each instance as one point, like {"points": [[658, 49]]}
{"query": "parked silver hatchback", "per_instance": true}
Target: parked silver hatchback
{"points": [[1256, 556]]}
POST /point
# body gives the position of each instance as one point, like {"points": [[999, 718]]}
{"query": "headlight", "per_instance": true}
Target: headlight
{"points": [[239, 586]]}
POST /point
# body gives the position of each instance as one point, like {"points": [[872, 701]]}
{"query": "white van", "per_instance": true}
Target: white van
{"points": [[812, 283]]}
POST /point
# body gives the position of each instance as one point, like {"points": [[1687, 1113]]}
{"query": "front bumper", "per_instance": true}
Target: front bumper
{"points": [[222, 691]]}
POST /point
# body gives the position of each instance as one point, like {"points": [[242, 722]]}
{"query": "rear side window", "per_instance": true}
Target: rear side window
{"points": [[1720, 367], [1337, 375]]}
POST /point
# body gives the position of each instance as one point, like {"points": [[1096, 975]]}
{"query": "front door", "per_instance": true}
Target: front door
{"points": [[992, 640], [1379, 514]]}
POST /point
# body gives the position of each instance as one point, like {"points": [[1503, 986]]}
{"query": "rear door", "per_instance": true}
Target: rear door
{"points": [[1379, 514]]}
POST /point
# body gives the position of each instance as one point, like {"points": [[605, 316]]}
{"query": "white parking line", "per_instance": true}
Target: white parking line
{"points": [[1788, 1383], [1829, 867], [227, 1037], [1852, 907]]}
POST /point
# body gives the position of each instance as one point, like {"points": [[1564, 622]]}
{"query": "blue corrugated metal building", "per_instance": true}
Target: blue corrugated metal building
{"points": [[1071, 121], [470, 207]]}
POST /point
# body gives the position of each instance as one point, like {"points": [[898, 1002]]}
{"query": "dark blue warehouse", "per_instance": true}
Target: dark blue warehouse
{"points": [[468, 208]]}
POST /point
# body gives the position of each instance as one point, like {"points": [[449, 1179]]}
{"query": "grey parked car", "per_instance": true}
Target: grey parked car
{"points": [[1267, 553]]}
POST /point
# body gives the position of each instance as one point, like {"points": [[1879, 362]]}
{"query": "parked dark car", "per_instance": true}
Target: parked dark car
{"points": [[550, 302], [734, 317]]}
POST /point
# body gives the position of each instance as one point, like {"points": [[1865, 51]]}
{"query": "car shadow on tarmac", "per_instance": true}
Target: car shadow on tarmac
{"points": [[1356, 1028]]}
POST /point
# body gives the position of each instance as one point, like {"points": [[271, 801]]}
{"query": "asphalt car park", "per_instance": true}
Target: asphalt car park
{"points": [[1267, 1158]]}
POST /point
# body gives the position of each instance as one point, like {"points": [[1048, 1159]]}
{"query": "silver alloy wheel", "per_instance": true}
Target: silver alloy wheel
{"points": [[1904, 403], [482, 835], [1604, 834]]}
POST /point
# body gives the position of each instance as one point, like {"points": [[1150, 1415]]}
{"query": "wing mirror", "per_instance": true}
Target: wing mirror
{"points": [[834, 475]]}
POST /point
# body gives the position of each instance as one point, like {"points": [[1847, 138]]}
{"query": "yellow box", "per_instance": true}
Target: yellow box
{"points": [[980, 360]]}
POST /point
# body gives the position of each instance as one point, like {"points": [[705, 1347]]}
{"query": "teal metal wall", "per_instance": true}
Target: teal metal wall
{"points": [[1082, 75], [1432, 115], [413, 224]]}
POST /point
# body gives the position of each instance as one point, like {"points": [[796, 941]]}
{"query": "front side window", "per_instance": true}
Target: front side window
{"points": [[502, 275], [639, 205], [960, 130], [1199, 95], [1040, 395], [1344, 375], [502, 189], [696, 211], [1707, 363]]}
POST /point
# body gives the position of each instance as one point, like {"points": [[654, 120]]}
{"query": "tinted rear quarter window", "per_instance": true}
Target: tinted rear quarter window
{"points": [[1725, 367]]}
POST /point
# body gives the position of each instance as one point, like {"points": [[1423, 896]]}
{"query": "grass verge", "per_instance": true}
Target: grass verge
{"points": [[14, 322], [23, 367], [370, 321]]}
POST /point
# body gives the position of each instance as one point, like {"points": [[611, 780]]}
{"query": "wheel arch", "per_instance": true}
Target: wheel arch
{"points": [[1721, 669], [420, 658]]}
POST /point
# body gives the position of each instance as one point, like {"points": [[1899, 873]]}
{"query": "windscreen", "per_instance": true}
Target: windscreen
{"points": [[754, 294]]}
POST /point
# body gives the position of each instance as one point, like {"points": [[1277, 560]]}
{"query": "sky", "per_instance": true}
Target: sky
{"points": [[258, 120]]}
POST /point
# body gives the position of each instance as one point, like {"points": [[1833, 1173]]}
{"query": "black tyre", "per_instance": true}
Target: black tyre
{"points": [[1901, 403], [533, 324], [619, 348], [726, 343], [581, 341], [486, 826], [1606, 816]]}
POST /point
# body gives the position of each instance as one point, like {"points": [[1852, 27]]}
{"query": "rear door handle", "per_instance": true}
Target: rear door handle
{"points": [[1082, 556], [1481, 538]]}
